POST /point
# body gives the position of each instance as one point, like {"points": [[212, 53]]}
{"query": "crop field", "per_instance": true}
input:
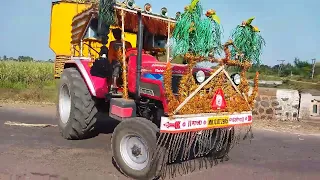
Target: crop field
{"points": [[27, 81], [14, 74]]}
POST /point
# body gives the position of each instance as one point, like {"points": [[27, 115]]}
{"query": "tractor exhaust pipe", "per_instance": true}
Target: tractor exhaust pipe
{"points": [[139, 58]]}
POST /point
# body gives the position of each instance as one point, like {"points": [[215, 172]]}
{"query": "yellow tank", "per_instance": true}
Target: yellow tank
{"points": [[62, 14], [60, 42]]}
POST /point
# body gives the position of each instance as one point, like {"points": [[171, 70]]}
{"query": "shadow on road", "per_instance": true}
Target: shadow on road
{"points": [[105, 124]]}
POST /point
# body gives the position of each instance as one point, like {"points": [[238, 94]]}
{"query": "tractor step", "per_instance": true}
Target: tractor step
{"points": [[113, 95], [121, 109]]}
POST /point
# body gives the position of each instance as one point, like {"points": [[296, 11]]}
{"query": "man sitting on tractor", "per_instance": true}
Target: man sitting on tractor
{"points": [[113, 56]]}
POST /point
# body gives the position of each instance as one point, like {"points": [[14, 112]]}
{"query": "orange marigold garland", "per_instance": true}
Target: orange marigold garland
{"points": [[171, 99], [254, 94], [201, 102], [124, 74]]}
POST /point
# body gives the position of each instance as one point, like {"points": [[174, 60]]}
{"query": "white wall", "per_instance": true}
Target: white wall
{"points": [[289, 103], [305, 106]]}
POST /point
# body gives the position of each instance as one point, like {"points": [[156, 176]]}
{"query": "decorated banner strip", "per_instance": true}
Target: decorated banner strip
{"points": [[203, 123]]}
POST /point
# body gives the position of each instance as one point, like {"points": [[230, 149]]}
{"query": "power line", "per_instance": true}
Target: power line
{"points": [[313, 66], [280, 66]]}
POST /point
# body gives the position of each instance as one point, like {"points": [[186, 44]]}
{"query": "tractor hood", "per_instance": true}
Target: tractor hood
{"points": [[156, 67]]}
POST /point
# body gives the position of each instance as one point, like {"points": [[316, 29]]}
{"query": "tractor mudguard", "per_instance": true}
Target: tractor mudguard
{"points": [[96, 85]]}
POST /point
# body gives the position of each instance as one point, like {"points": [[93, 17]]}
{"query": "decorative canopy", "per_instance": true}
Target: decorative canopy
{"points": [[81, 22], [153, 23]]}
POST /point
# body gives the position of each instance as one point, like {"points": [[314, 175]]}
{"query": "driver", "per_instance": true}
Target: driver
{"points": [[113, 55]]}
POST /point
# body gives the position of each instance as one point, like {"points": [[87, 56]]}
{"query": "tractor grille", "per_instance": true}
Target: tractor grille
{"points": [[175, 83]]}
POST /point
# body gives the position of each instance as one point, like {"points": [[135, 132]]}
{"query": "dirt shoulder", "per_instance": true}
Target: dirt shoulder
{"points": [[28, 96], [41, 108], [302, 127]]}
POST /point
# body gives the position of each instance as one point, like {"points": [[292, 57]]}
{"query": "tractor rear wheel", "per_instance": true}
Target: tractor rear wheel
{"points": [[134, 142], [76, 109]]}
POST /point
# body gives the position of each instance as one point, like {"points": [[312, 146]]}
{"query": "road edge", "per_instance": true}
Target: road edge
{"points": [[16, 105]]}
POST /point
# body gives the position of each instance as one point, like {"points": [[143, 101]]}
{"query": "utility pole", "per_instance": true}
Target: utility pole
{"points": [[313, 66], [280, 66]]}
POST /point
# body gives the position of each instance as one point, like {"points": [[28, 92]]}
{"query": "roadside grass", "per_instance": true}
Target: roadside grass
{"points": [[290, 82], [251, 75], [27, 81]]}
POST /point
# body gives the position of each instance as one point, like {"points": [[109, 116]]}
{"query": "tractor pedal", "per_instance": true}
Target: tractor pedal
{"points": [[116, 95]]}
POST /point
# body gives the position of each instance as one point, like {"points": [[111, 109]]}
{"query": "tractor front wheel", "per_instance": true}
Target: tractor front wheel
{"points": [[133, 146], [76, 109], [223, 142]]}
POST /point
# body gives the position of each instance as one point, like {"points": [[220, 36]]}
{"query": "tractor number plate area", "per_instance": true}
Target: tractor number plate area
{"points": [[198, 123]]}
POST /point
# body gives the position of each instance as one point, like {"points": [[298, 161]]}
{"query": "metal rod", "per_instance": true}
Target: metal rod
{"points": [[81, 47], [89, 49], [313, 66], [144, 14], [280, 67], [209, 114], [72, 50], [168, 39]]}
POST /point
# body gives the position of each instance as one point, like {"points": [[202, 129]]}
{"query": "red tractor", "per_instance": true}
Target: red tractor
{"points": [[151, 132]]}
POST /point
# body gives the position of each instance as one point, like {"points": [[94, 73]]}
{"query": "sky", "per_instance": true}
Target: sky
{"points": [[291, 28]]}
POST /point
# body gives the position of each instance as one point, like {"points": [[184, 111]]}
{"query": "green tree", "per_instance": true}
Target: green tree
{"points": [[302, 68], [25, 58]]}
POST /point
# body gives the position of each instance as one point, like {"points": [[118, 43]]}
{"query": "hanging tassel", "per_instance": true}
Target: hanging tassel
{"points": [[195, 34], [216, 31], [248, 40], [185, 152]]}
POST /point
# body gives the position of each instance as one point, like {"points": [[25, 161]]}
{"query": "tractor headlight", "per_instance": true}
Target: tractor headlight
{"points": [[200, 76], [236, 78]]}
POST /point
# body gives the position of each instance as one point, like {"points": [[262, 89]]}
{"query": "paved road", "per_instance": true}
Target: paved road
{"points": [[41, 153]]}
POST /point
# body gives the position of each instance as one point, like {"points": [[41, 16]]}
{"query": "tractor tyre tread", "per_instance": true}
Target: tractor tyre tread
{"points": [[83, 109]]}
